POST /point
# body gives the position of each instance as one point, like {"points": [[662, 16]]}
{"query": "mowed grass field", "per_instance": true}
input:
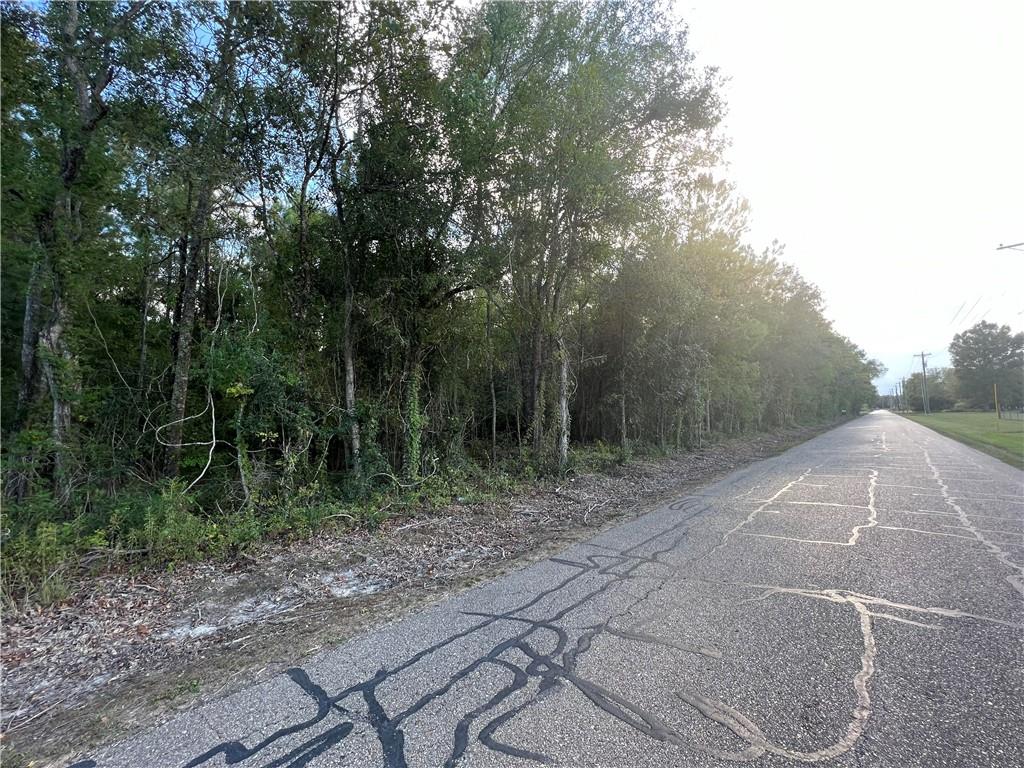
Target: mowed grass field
{"points": [[1002, 438]]}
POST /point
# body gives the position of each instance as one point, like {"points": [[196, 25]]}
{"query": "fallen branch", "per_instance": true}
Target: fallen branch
{"points": [[600, 504]]}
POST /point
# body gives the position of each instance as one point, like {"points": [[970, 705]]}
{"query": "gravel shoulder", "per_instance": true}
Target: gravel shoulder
{"points": [[128, 650]]}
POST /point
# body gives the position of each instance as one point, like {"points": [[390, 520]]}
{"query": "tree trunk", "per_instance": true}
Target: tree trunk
{"points": [[29, 339], [707, 407], [211, 146], [582, 400], [537, 393], [57, 371], [350, 381], [242, 457], [623, 435], [183, 359], [412, 434], [208, 302], [563, 406], [57, 365], [519, 425], [183, 242], [698, 412], [490, 376], [143, 326]]}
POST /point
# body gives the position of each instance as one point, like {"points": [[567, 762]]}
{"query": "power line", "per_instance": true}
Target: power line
{"points": [[969, 311], [966, 317], [958, 312]]}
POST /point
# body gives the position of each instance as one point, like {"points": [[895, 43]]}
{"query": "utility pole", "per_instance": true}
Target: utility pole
{"points": [[924, 379]]}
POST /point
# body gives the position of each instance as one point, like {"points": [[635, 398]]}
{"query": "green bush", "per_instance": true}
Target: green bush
{"points": [[171, 531], [35, 563]]}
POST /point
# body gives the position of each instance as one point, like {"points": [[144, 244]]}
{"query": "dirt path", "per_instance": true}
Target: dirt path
{"points": [[128, 650]]}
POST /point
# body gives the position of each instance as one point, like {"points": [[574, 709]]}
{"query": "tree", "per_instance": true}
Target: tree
{"points": [[985, 355], [942, 390], [263, 259], [210, 143], [79, 52]]}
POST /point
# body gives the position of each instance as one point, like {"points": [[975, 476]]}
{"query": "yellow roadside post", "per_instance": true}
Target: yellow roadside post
{"points": [[995, 397]]}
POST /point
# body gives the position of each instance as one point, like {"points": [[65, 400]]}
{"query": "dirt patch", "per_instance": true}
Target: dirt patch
{"points": [[127, 651]]}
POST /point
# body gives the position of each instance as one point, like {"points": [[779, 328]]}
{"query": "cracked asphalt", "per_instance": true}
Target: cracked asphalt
{"points": [[855, 601]]}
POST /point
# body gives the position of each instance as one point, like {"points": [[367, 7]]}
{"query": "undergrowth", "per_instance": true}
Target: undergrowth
{"points": [[46, 548]]}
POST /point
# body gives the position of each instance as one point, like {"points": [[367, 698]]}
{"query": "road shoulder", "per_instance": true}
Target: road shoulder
{"points": [[214, 628]]}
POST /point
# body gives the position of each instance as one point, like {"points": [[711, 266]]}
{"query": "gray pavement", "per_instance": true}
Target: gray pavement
{"points": [[856, 601]]}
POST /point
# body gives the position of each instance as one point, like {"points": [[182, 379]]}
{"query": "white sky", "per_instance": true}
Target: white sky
{"points": [[883, 143]]}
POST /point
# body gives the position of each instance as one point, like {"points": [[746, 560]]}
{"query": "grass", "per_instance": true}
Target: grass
{"points": [[1002, 438]]}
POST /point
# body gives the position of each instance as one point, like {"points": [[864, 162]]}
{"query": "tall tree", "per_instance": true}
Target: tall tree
{"points": [[266, 258], [206, 173], [988, 356], [87, 45]]}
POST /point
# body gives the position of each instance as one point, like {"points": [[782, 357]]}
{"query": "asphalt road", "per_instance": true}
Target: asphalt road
{"points": [[856, 601]]}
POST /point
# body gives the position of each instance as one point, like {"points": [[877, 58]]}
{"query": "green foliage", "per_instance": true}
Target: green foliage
{"points": [[988, 358], [600, 456], [943, 390], [171, 531], [343, 257], [36, 560]]}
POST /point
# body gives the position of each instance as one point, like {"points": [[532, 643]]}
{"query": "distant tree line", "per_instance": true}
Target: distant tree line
{"points": [[988, 359], [263, 258]]}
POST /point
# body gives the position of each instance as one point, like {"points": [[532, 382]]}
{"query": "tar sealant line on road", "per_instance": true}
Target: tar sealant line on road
{"points": [[794, 539], [872, 512], [749, 518], [855, 531], [544, 667], [1001, 499], [1016, 578], [867, 469], [981, 478], [848, 477], [991, 530], [829, 504], [1009, 543], [956, 497], [890, 617], [843, 595], [949, 514], [811, 504], [749, 732], [928, 533], [542, 672]]}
